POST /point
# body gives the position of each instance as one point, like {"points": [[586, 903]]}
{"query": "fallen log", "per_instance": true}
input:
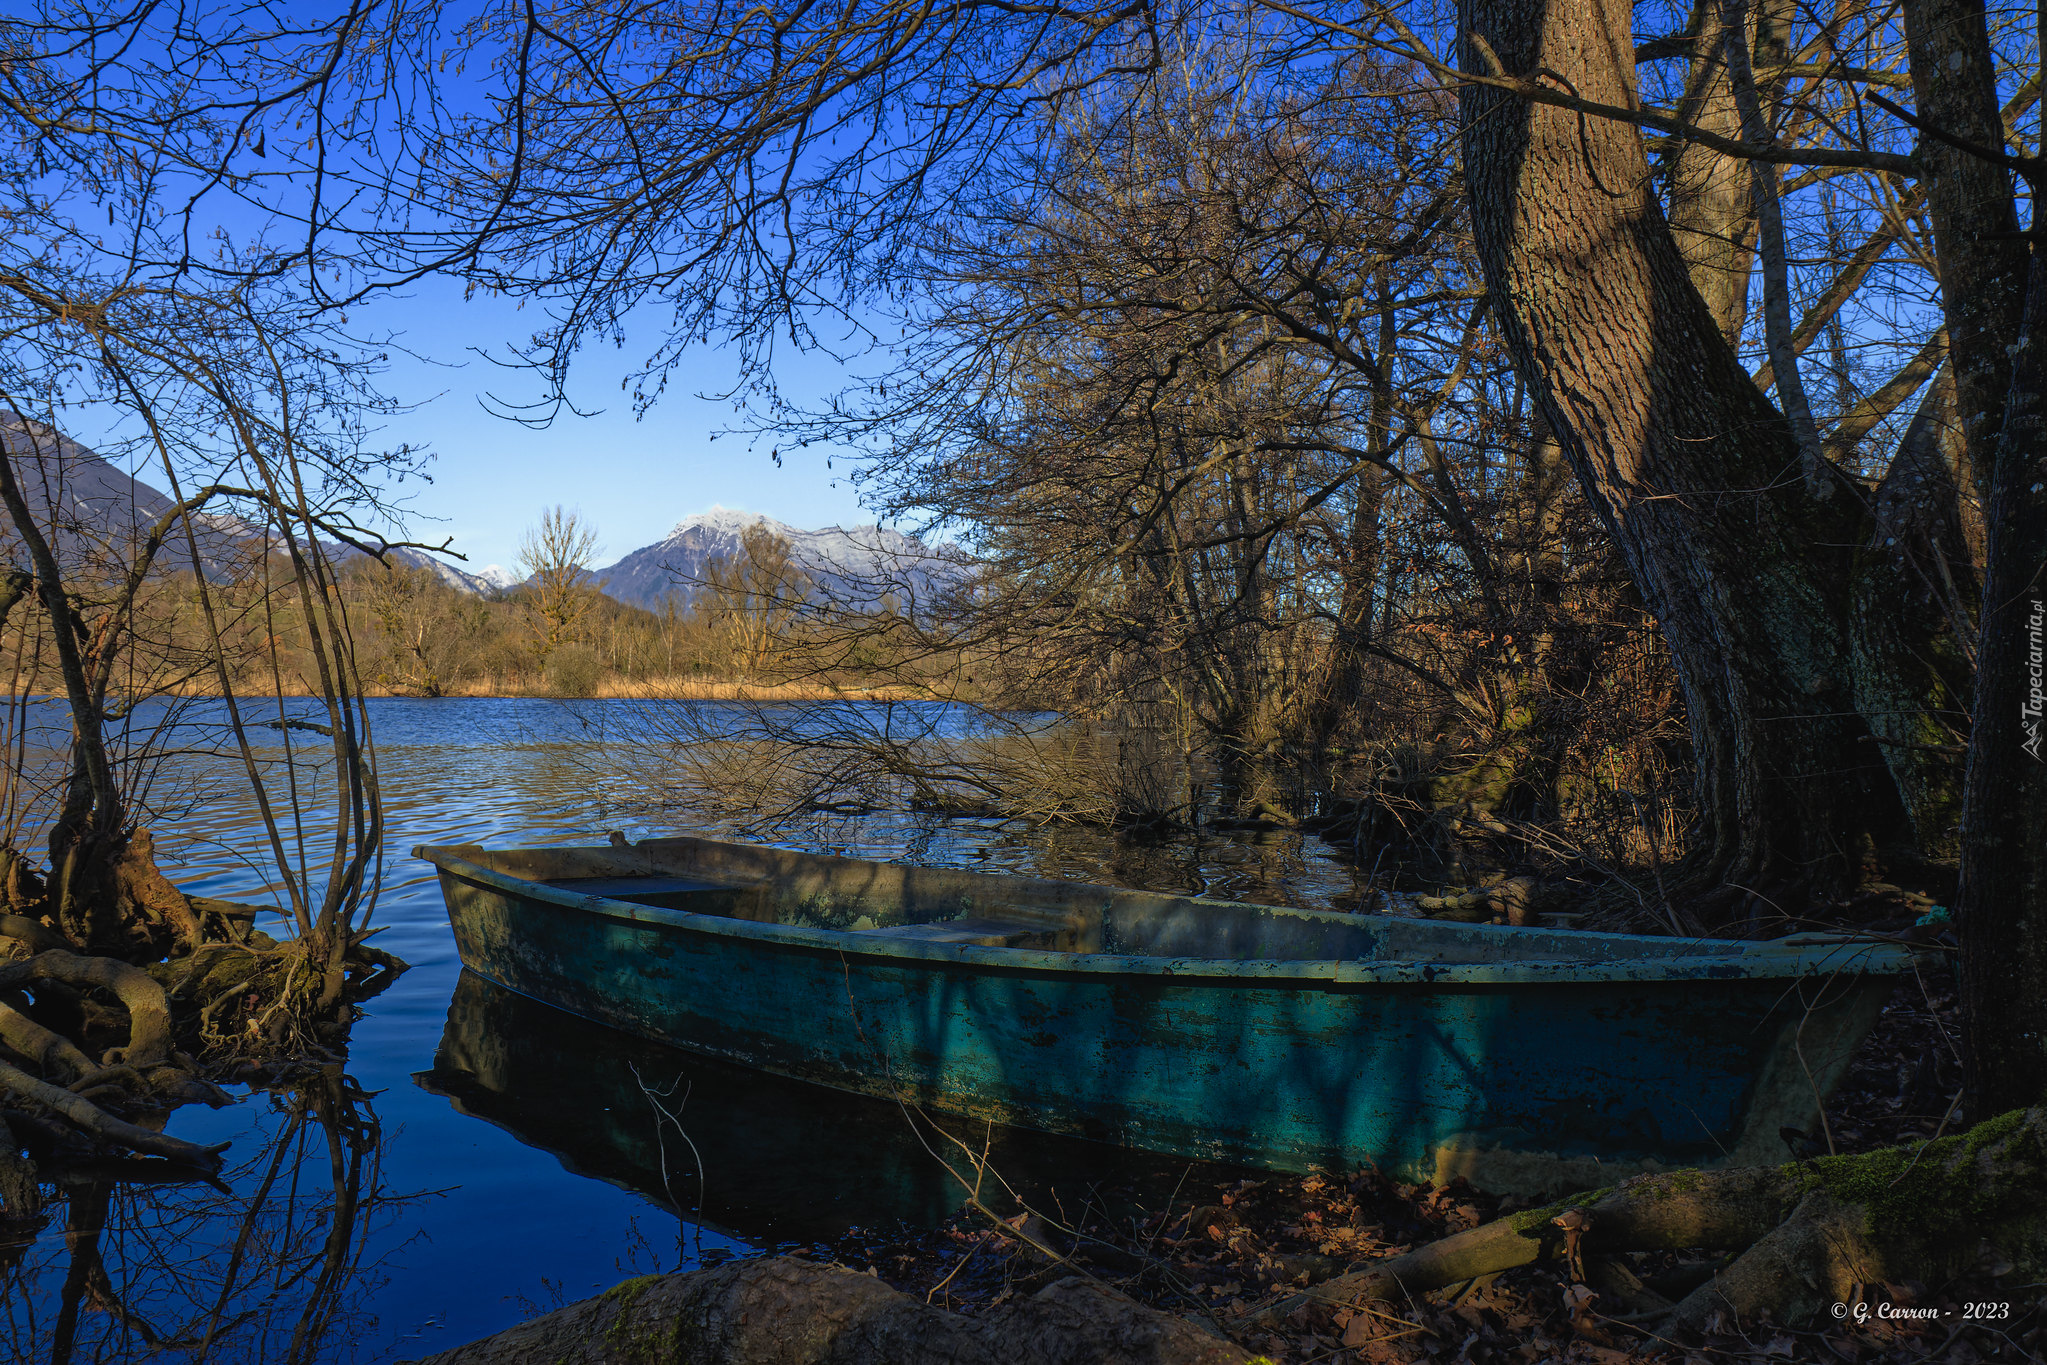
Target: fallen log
{"points": [[782, 1311], [1811, 1234]]}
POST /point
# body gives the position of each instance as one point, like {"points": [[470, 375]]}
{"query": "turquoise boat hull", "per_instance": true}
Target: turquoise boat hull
{"points": [[1522, 1060]]}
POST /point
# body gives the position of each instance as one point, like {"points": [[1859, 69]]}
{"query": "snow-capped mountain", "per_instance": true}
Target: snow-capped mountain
{"points": [[459, 579], [92, 509], [93, 513], [856, 566]]}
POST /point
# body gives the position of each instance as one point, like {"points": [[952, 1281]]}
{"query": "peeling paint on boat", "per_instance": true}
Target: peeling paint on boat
{"points": [[1521, 1059]]}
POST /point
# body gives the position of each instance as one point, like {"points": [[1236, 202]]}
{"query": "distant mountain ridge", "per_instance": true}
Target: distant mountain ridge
{"points": [[488, 583], [855, 566], [90, 508]]}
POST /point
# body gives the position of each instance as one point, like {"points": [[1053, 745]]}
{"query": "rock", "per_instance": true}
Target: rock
{"points": [[782, 1311]]}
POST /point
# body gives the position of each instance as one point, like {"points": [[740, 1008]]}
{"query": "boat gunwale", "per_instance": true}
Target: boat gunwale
{"points": [[1741, 960]]}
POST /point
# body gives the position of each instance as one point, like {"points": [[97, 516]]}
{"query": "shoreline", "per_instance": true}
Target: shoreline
{"points": [[666, 689]]}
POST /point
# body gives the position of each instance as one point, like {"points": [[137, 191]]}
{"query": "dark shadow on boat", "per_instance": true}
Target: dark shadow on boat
{"points": [[783, 1162]]}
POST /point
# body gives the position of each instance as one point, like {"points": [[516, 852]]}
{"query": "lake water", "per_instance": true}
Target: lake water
{"points": [[494, 1158]]}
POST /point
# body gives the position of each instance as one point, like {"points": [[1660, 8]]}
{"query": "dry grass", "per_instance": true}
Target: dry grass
{"points": [[679, 688], [691, 688]]}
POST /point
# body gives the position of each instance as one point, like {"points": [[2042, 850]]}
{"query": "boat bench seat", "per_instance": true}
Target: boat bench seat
{"points": [[981, 933]]}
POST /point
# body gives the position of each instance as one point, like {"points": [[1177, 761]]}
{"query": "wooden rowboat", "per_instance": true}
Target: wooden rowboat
{"points": [[1524, 1060]]}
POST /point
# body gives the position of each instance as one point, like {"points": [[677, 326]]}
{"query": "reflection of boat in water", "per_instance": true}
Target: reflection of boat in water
{"points": [[783, 1162], [1286, 1038]]}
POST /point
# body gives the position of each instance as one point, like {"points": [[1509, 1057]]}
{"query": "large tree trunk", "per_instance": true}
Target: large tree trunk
{"points": [[1696, 475], [1692, 469], [2002, 903], [1992, 299], [1916, 598], [1712, 207], [1975, 217]]}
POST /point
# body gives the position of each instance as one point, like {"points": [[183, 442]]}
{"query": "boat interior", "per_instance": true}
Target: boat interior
{"points": [[949, 906]]}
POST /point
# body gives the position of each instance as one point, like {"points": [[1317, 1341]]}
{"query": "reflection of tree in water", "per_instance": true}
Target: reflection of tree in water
{"points": [[126, 1260]]}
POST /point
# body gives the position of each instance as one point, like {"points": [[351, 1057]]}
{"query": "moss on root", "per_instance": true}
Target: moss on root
{"points": [[1929, 1190], [635, 1341], [1533, 1222], [627, 1292]]}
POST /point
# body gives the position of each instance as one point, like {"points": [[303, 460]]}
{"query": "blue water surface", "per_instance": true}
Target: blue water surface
{"points": [[529, 1168]]}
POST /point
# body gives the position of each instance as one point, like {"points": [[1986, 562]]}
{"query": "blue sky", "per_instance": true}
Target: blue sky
{"points": [[633, 478]]}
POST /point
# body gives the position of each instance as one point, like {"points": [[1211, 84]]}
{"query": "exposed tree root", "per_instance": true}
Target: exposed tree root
{"points": [[149, 1015], [269, 1002], [31, 933], [137, 882], [88, 1044], [1809, 1235], [50, 1051], [781, 1311]]}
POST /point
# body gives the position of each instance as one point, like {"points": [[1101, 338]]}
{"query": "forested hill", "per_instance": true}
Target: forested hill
{"points": [[95, 511]]}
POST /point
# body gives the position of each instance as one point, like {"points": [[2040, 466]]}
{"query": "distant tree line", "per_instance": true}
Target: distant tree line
{"points": [[754, 619]]}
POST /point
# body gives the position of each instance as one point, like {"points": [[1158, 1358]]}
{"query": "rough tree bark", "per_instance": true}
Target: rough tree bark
{"points": [[1696, 474], [1995, 301], [1916, 598], [1975, 218], [1712, 212], [2002, 899], [1692, 469]]}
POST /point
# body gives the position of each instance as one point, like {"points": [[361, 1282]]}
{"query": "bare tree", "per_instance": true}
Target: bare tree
{"points": [[757, 596], [202, 358], [432, 631], [557, 594]]}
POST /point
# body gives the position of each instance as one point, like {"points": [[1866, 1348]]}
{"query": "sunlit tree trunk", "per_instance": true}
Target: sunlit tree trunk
{"points": [[1712, 212], [1691, 468]]}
